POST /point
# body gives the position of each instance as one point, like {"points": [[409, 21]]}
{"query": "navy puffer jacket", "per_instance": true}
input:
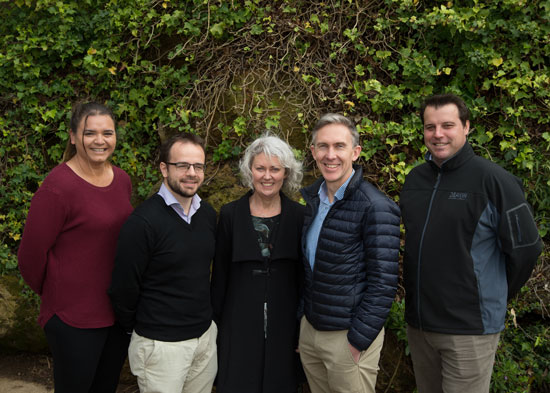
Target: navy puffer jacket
{"points": [[354, 278]]}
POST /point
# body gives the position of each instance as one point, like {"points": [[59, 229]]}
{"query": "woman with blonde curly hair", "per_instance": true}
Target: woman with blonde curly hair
{"points": [[257, 273]]}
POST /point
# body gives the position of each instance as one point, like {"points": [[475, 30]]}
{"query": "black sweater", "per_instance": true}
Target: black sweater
{"points": [[161, 278]]}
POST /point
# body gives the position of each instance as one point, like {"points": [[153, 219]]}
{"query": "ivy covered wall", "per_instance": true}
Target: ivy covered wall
{"points": [[231, 69]]}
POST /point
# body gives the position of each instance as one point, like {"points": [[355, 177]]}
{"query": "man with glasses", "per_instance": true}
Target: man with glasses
{"points": [[161, 280]]}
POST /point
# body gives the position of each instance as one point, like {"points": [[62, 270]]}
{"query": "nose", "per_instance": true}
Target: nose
{"points": [[438, 132], [99, 139], [331, 153], [191, 170]]}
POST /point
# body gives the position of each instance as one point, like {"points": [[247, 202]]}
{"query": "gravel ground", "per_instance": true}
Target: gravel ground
{"points": [[33, 373]]}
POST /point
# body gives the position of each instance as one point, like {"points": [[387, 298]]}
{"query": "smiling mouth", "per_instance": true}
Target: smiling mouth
{"points": [[189, 182], [331, 166], [99, 150]]}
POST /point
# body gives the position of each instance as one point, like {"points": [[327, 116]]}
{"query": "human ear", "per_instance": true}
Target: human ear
{"points": [[72, 136], [163, 169], [356, 152]]}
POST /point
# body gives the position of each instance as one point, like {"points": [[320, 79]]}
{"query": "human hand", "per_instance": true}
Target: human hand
{"points": [[355, 353]]}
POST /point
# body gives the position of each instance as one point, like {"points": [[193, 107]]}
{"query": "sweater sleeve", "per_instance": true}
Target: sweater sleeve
{"points": [[222, 263], [45, 221], [517, 232], [381, 236], [134, 250]]}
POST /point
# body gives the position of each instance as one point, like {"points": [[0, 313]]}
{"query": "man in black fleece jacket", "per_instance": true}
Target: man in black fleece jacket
{"points": [[161, 281], [471, 243]]}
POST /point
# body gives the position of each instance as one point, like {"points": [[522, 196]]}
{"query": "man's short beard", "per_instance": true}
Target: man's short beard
{"points": [[175, 187]]}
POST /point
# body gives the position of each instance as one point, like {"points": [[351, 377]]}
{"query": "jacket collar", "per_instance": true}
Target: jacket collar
{"points": [[312, 191], [460, 158]]}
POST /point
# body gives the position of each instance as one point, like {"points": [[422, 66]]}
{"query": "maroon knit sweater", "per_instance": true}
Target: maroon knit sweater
{"points": [[68, 246]]}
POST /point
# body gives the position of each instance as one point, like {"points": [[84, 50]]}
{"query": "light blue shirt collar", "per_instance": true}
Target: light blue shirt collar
{"points": [[171, 201], [338, 195], [312, 236]]}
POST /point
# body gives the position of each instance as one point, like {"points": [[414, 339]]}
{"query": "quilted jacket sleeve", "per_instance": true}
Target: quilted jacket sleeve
{"points": [[381, 242]]}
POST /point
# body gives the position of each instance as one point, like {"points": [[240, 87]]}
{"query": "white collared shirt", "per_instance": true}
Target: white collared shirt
{"points": [[171, 200]]}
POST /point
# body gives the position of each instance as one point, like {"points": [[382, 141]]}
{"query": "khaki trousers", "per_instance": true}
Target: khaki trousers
{"points": [[188, 366], [329, 365], [449, 363]]}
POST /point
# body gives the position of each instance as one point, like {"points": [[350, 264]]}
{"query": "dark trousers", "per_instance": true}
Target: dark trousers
{"points": [[86, 360]]}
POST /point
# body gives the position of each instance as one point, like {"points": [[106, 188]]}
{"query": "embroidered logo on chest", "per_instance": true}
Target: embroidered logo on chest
{"points": [[458, 196]]}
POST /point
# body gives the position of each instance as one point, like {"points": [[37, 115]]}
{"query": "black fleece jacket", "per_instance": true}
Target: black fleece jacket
{"points": [[471, 242]]}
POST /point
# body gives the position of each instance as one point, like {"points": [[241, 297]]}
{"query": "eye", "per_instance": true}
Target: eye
{"points": [[275, 169], [183, 165]]}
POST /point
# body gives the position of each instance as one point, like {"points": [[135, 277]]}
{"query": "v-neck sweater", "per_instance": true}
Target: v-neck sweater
{"points": [[161, 279]]}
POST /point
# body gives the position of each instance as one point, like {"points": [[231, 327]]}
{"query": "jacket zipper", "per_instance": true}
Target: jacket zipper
{"points": [[436, 185], [329, 213], [317, 248]]}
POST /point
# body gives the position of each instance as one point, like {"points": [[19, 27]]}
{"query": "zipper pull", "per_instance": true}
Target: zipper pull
{"points": [[265, 320]]}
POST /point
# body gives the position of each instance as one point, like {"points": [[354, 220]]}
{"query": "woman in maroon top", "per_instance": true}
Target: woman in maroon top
{"points": [[67, 254]]}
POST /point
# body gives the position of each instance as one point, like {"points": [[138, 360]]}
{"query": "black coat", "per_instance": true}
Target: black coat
{"points": [[248, 363]]}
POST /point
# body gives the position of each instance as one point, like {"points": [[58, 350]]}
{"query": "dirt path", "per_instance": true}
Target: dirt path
{"points": [[25, 373], [33, 373], [8, 385]]}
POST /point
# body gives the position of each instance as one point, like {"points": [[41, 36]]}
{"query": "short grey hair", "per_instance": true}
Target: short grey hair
{"points": [[272, 146], [335, 118]]}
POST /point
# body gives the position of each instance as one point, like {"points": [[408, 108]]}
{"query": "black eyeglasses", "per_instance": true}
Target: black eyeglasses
{"points": [[185, 166]]}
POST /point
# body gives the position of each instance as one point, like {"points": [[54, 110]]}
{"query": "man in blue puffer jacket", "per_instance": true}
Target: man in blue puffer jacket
{"points": [[350, 243]]}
